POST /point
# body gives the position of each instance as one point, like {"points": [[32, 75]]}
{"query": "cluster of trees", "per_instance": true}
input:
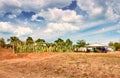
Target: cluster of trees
{"points": [[40, 45], [115, 45]]}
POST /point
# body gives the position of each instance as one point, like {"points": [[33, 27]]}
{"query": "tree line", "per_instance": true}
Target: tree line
{"points": [[40, 45]]}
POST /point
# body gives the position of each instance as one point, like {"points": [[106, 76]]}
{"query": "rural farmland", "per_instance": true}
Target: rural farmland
{"points": [[59, 38], [59, 65]]}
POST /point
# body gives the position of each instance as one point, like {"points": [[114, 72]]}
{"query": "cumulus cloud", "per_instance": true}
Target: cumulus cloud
{"points": [[31, 5], [95, 8], [19, 31], [6, 27], [91, 7], [63, 27], [14, 30], [53, 21], [58, 15]]}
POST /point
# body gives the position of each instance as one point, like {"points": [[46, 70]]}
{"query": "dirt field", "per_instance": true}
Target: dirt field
{"points": [[59, 65]]}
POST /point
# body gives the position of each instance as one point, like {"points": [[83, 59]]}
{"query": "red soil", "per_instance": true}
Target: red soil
{"points": [[59, 65]]}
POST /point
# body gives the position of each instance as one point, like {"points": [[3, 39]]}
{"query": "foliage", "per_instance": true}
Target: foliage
{"points": [[2, 42], [111, 44], [59, 45], [68, 44], [81, 43], [14, 41], [40, 45], [29, 41], [115, 45]]}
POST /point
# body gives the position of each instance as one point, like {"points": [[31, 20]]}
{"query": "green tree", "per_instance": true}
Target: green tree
{"points": [[40, 45], [14, 40], [117, 46], [40, 41], [111, 44], [30, 47], [68, 44], [81, 43], [2, 43], [50, 47], [59, 43], [29, 41], [114, 45]]}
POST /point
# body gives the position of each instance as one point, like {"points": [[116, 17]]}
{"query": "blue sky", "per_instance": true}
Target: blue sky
{"points": [[91, 20]]}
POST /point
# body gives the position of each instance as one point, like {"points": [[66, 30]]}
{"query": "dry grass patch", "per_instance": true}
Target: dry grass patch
{"points": [[62, 65]]}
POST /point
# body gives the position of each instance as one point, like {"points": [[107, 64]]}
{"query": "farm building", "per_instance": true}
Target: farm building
{"points": [[96, 47]]}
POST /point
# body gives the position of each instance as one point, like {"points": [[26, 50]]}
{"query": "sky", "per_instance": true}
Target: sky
{"points": [[89, 20]]}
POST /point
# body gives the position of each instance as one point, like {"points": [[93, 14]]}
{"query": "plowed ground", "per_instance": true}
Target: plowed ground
{"points": [[59, 65]]}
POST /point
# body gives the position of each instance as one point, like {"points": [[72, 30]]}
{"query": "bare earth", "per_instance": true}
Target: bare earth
{"points": [[59, 65]]}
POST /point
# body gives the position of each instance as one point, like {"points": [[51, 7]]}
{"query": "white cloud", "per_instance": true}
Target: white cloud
{"points": [[96, 33], [63, 27], [15, 3], [107, 8], [12, 16], [106, 29], [59, 22], [14, 30], [91, 7], [19, 31], [85, 25], [97, 11], [111, 15], [6, 27], [59, 15], [115, 5], [54, 30], [32, 5]]}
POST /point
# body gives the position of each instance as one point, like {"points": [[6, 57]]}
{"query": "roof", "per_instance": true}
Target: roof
{"points": [[96, 45]]}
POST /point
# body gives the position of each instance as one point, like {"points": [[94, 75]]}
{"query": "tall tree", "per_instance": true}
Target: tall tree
{"points": [[68, 44], [14, 40], [40, 45], [81, 43], [111, 44], [117, 46], [2, 42], [40, 41], [59, 43], [29, 41]]}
